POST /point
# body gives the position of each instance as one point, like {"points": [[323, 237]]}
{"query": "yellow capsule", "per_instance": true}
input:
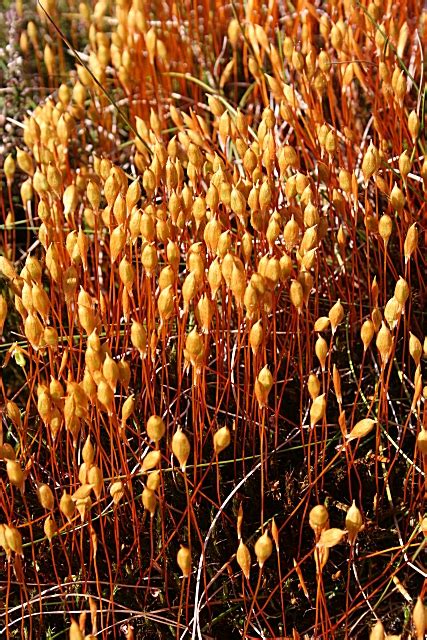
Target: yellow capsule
{"points": [[88, 452], [392, 311], [128, 408], [369, 162], [243, 558], [153, 480], [377, 632], [317, 409], [419, 617], [415, 348], [66, 505], [361, 429], [13, 539], [401, 291], [385, 228], [46, 498], [110, 371], [155, 428], [95, 479], [297, 295], [222, 439], [384, 343], [126, 273], [15, 474], [411, 242], [318, 519], [353, 522], [397, 198], [117, 242], [336, 315], [331, 537], [263, 548], [256, 336], [181, 447], [138, 336], [50, 528], [413, 125], [321, 350], [105, 396], [184, 561], [149, 501]]}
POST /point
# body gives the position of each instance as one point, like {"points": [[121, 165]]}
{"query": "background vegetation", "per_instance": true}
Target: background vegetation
{"points": [[213, 317]]}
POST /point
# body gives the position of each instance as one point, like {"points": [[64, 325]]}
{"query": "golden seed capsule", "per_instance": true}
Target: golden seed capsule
{"points": [[151, 460], [110, 371], [127, 408], [331, 537], [155, 428], [384, 343], [297, 295], [189, 289], [117, 242], [7, 268], [153, 480], [265, 379], [13, 539], [318, 519], [422, 441], [369, 162], [321, 350], [411, 242], [392, 311], [291, 234], [322, 323], [105, 396], [313, 386], [401, 291], [317, 409], [243, 558], [15, 474], [376, 319], [336, 315], [404, 164], [149, 501], [419, 618], [337, 383], [126, 273], [415, 348], [46, 498], [7, 452], [385, 228], [214, 277], [66, 505], [256, 336], [353, 522], [96, 479], [263, 548], [138, 337], [377, 631], [117, 491], [184, 561], [204, 313], [50, 528], [413, 125], [74, 632], [397, 198], [14, 414], [221, 440], [361, 429], [88, 452], [181, 447]]}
